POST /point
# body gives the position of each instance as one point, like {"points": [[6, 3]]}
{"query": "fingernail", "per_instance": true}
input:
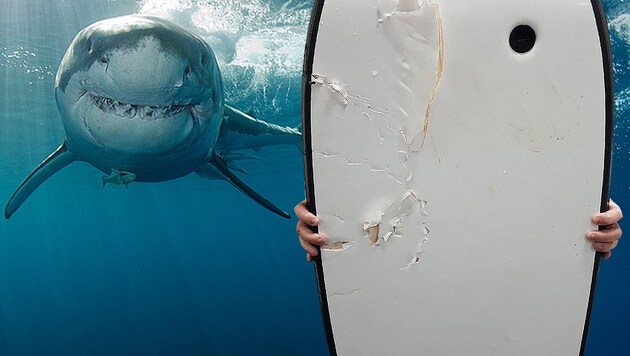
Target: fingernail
{"points": [[590, 235]]}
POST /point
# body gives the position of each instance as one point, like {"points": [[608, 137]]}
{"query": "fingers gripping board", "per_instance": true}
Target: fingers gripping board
{"points": [[455, 152]]}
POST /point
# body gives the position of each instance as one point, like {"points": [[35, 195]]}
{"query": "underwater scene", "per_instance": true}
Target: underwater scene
{"points": [[187, 255]]}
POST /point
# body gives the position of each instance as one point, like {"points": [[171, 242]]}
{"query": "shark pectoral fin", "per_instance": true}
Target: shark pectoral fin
{"points": [[51, 165], [219, 168], [233, 166], [232, 158], [240, 130]]}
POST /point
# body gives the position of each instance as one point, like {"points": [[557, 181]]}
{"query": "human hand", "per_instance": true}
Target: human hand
{"points": [[607, 238], [308, 239]]}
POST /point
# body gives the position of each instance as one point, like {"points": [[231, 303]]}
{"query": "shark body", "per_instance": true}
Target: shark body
{"points": [[142, 99]]}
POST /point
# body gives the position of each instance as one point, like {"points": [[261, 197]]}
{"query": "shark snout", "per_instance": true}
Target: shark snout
{"points": [[147, 68]]}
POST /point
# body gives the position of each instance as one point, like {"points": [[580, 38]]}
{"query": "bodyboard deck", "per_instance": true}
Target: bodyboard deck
{"points": [[455, 153]]}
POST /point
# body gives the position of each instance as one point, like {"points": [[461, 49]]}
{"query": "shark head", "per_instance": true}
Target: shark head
{"points": [[140, 86]]}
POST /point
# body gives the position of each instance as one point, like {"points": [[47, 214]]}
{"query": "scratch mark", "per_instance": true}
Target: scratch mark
{"points": [[344, 294], [422, 28], [334, 87], [357, 101], [438, 76], [365, 164], [405, 88], [348, 99], [415, 258]]}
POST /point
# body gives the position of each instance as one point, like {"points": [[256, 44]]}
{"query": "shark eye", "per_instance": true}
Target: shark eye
{"points": [[187, 71], [103, 60]]}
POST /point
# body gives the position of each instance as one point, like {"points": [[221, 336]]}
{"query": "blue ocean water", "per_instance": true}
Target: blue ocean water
{"points": [[190, 266]]}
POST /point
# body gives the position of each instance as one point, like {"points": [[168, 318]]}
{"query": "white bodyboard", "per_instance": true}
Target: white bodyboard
{"points": [[454, 176]]}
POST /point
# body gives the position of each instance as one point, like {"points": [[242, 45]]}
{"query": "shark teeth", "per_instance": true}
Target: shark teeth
{"points": [[145, 112]]}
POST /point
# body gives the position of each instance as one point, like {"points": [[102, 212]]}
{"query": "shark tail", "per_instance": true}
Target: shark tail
{"points": [[218, 165], [51, 165]]}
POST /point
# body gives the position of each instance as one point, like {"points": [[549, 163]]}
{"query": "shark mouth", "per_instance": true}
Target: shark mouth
{"points": [[144, 112]]}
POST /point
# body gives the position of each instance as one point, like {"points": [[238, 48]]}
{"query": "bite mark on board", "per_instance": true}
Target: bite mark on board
{"points": [[338, 246], [410, 213]]}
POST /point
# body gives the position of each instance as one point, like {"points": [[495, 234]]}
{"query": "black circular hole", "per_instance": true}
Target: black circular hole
{"points": [[522, 39]]}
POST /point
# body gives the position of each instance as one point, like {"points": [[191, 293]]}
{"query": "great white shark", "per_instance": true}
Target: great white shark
{"points": [[142, 99]]}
